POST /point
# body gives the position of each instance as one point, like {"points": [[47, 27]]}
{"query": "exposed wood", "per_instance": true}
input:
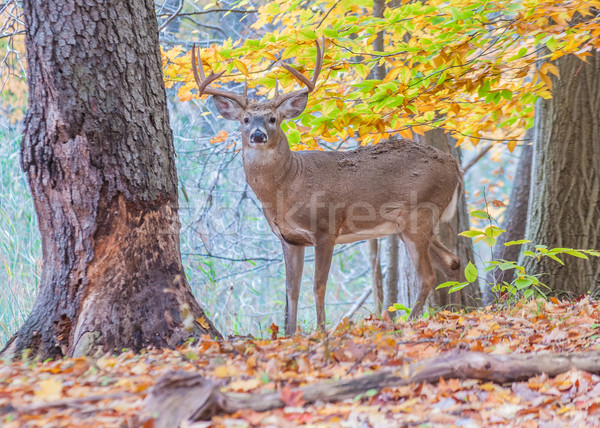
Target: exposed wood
{"points": [[180, 396]]}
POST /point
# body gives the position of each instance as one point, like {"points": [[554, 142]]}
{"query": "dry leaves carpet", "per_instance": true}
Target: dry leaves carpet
{"points": [[110, 391]]}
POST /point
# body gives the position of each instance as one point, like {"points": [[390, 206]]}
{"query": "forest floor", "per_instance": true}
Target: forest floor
{"points": [[110, 391]]}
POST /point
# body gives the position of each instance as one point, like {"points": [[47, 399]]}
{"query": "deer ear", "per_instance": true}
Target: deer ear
{"points": [[294, 106], [229, 109]]}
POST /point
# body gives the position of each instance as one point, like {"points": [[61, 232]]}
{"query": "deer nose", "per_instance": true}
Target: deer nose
{"points": [[258, 137]]}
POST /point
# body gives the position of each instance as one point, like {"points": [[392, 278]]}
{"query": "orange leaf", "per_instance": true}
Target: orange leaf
{"points": [[290, 397], [274, 331]]}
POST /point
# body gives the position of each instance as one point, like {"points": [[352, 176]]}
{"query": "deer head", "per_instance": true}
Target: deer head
{"points": [[260, 121]]}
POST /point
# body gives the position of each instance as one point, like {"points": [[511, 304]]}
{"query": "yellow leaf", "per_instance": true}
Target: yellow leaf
{"points": [[222, 371], [202, 321], [406, 133], [511, 145], [546, 79], [270, 56], [49, 389], [241, 66], [549, 67]]}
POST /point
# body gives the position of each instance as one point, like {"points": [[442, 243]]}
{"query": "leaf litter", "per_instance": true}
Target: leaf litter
{"points": [[110, 391]]}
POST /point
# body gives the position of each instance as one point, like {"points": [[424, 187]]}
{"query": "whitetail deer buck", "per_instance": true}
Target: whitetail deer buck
{"points": [[317, 198]]}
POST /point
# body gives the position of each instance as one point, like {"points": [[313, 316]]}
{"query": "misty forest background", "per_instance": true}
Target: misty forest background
{"points": [[232, 259]]}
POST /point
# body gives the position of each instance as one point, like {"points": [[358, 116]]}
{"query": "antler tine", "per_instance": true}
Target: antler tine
{"points": [[203, 83], [310, 84]]}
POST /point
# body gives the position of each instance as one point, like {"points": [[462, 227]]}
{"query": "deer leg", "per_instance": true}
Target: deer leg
{"points": [[323, 256], [294, 263], [419, 249], [448, 263]]}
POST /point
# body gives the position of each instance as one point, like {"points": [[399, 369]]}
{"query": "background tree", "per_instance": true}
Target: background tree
{"points": [[564, 207], [515, 217], [98, 153]]}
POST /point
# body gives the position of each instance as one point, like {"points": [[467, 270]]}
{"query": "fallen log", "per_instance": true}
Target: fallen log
{"points": [[179, 396]]}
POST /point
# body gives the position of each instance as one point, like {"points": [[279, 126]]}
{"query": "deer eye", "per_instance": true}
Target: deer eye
{"points": [[246, 120], [272, 120]]}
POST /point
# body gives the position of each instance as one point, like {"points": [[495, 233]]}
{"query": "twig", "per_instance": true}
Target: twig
{"points": [[361, 300], [172, 17], [204, 12], [477, 158], [66, 402]]}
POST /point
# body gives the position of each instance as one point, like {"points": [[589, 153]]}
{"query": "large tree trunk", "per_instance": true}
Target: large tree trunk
{"points": [[514, 216], [564, 208], [99, 156]]}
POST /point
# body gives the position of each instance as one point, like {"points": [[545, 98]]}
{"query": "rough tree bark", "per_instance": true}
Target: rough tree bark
{"points": [[99, 157], [564, 207], [514, 216]]}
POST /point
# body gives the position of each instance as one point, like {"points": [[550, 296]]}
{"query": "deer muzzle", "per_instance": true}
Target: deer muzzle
{"points": [[258, 137]]}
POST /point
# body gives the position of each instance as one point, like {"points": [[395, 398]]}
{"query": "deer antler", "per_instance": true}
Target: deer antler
{"points": [[310, 84], [203, 83]]}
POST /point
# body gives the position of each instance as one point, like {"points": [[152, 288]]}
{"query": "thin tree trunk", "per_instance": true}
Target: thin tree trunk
{"points": [[469, 296], [376, 275], [564, 207], [514, 217], [381, 298], [391, 276], [99, 157]]}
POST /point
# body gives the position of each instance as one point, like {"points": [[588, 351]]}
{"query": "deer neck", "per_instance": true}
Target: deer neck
{"points": [[268, 170]]}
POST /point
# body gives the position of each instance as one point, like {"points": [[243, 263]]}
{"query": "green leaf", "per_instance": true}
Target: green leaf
{"points": [[480, 214], [519, 242], [446, 285], [471, 233], [293, 136], [308, 33], [576, 253], [522, 283], [401, 307], [506, 266], [471, 272], [484, 89], [493, 231], [371, 392], [490, 242], [553, 257], [458, 287]]}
